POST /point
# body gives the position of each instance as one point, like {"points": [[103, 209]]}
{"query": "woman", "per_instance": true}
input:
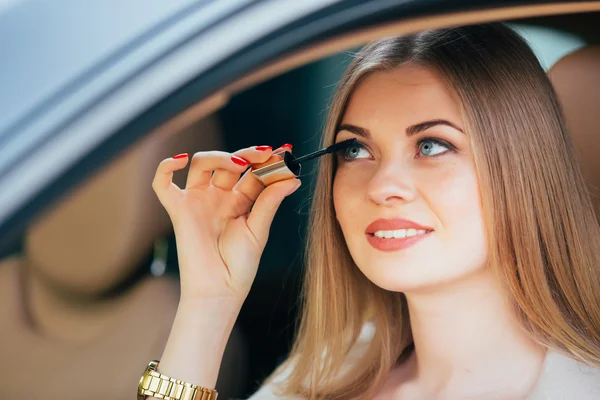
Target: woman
{"points": [[452, 253]]}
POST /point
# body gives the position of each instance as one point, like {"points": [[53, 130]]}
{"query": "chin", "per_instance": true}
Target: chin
{"points": [[415, 277], [403, 284]]}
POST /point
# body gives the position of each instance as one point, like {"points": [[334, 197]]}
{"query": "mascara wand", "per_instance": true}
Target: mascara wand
{"points": [[286, 166], [331, 149]]}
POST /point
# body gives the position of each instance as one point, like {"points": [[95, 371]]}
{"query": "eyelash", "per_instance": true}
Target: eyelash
{"points": [[440, 142], [436, 141]]}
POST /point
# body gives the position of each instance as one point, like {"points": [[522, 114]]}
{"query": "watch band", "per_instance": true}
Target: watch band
{"points": [[155, 384]]}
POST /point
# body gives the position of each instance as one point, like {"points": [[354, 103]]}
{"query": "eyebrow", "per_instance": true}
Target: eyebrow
{"points": [[410, 131]]}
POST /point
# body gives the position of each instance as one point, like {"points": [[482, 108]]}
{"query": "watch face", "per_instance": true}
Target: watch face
{"points": [[153, 365]]}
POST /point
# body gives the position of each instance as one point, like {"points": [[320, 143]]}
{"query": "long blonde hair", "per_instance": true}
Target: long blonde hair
{"points": [[543, 235]]}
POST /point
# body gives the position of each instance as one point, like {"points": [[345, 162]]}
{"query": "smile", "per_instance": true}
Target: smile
{"points": [[395, 234], [399, 233], [394, 240]]}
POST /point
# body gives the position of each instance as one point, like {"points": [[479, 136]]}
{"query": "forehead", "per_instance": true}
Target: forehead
{"points": [[407, 94]]}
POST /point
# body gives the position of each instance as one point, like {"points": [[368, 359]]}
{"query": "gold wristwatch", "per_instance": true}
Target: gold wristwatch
{"points": [[155, 384]]}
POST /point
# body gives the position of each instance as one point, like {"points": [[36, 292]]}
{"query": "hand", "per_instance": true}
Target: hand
{"points": [[221, 222]]}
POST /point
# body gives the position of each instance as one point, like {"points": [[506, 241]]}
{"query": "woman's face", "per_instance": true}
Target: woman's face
{"points": [[414, 173]]}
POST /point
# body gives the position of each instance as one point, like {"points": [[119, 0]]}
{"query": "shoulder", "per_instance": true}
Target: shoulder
{"points": [[269, 390], [565, 378]]}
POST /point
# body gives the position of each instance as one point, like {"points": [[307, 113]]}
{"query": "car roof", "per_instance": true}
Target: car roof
{"points": [[47, 46]]}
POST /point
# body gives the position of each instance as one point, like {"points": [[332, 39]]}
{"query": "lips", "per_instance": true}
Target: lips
{"points": [[395, 244], [394, 224]]}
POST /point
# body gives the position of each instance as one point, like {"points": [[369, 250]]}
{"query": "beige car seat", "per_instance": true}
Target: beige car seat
{"points": [[576, 79], [67, 332]]}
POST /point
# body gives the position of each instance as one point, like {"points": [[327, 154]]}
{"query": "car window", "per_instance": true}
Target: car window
{"points": [[549, 44]]}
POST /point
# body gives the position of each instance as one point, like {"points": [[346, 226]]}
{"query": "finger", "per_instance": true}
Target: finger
{"points": [[286, 146], [275, 156], [262, 214], [205, 162], [249, 186], [226, 179], [163, 178]]}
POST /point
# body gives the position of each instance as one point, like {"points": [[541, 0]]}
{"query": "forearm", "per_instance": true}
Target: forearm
{"points": [[197, 341]]}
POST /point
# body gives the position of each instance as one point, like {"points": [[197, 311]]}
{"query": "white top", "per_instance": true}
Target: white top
{"points": [[562, 378]]}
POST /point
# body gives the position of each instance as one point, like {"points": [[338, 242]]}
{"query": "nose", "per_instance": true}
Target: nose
{"points": [[392, 185]]}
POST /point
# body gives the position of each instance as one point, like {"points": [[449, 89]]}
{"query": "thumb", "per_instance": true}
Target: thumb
{"points": [[266, 205]]}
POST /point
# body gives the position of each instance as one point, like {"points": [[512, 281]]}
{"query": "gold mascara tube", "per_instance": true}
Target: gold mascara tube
{"points": [[284, 165]]}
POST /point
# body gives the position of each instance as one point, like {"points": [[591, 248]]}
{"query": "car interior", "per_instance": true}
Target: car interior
{"points": [[107, 248]]}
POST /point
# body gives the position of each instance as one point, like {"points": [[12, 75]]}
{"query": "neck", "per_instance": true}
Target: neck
{"points": [[68, 317], [465, 332]]}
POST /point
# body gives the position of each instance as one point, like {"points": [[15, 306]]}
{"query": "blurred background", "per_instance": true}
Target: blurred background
{"points": [[90, 282]]}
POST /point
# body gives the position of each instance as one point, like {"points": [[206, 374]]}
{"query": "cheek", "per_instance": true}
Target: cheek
{"points": [[454, 187], [454, 197], [346, 197], [340, 192]]}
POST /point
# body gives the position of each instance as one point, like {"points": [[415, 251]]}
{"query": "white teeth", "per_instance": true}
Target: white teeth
{"points": [[400, 233]]}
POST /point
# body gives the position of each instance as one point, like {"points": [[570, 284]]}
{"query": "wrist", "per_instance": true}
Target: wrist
{"points": [[225, 306], [198, 339]]}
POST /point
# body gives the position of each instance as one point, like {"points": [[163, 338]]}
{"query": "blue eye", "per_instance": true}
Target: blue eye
{"points": [[430, 147], [353, 152]]}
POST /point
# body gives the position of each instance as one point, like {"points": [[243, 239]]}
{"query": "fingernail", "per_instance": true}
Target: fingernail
{"points": [[182, 155], [263, 148], [240, 161], [289, 146]]}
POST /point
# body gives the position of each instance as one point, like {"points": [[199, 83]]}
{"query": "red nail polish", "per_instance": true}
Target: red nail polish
{"points": [[287, 145], [263, 148], [240, 161], [182, 155]]}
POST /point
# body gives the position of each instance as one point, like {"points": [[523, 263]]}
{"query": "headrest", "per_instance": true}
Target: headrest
{"points": [[576, 79], [96, 235]]}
